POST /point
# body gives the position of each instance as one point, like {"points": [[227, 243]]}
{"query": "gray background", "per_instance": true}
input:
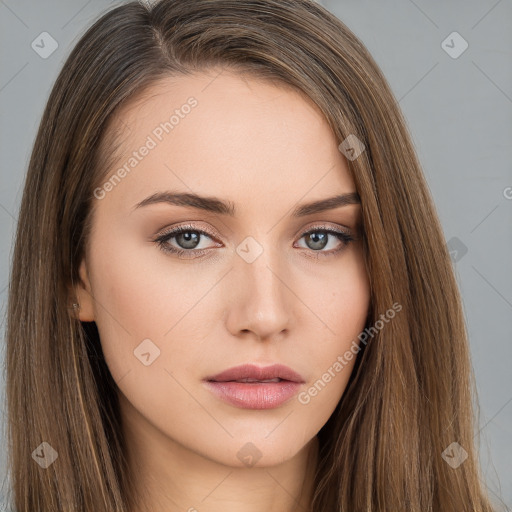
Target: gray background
{"points": [[459, 111]]}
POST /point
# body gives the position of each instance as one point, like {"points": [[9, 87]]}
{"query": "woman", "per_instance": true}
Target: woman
{"points": [[230, 289]]}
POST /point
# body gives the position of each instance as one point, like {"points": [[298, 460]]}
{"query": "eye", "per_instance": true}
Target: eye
{"points": [[319, 238], [188, 239]]}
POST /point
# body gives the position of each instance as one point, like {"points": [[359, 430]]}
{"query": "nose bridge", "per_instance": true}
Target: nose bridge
{"points": [[258, 267], [261, 298]]}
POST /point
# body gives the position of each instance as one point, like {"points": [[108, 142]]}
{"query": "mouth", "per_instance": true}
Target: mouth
{"points": [[254, 373], [253, 387]]}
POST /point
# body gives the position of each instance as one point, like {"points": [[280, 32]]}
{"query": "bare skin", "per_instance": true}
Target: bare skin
{"points": [[267, 150]]}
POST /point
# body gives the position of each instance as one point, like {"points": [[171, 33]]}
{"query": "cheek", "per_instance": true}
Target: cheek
{"points": [[343, 311], [342, 297], [140, 297]]}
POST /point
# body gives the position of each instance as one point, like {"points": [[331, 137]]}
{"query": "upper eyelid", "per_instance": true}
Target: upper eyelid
{"points": [[177, 229], [172, 232]]}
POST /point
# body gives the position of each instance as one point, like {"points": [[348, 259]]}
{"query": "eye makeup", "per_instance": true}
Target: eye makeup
{"points": [[163, 240]]}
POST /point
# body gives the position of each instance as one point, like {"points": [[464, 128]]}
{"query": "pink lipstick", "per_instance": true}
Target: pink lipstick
{"points": [[254, 387]]}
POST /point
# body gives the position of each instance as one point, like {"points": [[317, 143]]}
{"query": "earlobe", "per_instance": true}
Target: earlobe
{"points": [[84, 298]]}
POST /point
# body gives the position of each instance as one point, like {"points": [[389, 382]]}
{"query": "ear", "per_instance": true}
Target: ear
{"points": [[84, 295]]}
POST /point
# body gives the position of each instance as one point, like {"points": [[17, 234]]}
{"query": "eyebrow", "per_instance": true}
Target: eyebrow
{"points": [[215, 205]]}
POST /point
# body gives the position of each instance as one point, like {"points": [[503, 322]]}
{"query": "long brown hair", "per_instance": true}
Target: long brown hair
{"points": [[410, 394]]}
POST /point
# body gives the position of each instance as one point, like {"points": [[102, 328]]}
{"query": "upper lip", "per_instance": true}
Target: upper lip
{"points": [[257, 373]]}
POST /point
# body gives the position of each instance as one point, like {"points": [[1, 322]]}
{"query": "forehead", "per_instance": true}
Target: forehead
{"points": [[225, 134]]}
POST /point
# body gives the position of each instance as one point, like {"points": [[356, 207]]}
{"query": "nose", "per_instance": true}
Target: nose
{"points": [[260, 298]]}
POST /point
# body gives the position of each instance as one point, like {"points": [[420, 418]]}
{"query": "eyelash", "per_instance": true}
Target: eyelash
{"points": [[163, 239]]}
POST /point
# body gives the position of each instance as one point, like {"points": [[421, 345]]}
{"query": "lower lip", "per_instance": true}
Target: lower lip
{"points": [[258, 395]]}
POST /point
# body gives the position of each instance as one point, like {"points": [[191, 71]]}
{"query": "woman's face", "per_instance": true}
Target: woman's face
{"points": [[260, 279]]}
